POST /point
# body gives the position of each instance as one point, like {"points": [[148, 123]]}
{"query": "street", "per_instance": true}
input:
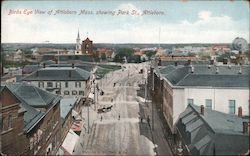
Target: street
{"points": [[125, 129]]}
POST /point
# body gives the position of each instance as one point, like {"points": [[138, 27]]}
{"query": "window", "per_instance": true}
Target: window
{"points": [[58, 84], [66, 84], [209, 103], [10, 121], [231, 106], [66, 92], [49, 84], [81, 92], [78, 84], [74, 92], [40, 84], [190, 101]]}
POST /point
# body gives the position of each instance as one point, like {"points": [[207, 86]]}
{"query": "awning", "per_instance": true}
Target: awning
{"points": [[70, 141]]}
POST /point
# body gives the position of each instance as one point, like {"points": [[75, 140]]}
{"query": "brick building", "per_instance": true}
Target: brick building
{"points": [[87, 46], [31, 120]]}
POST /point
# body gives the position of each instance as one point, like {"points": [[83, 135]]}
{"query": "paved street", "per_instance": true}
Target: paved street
{"points": [[120, 131]]}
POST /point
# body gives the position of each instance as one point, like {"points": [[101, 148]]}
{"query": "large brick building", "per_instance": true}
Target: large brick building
{"points": [[87, 46], [30, 121]]}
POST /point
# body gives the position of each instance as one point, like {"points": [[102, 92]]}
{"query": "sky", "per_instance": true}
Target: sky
{"points": [[171, 22]]}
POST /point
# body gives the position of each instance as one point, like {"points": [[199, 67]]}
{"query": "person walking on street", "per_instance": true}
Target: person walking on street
{"points": [[101, 118]]}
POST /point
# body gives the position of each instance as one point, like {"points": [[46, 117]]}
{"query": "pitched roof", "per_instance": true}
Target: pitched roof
{"points": [[59, 74], [32, 95], [204, 76], [84, 66], [66, 104], [205, 134], [31, 115]]}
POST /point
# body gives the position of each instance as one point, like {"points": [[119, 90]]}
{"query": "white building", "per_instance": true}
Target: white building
{"points": [[221, 88], [64, 81]]}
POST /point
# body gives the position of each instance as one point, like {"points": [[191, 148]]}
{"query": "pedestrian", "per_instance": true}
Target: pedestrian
{"points": [[148, 119], [111, 100], [141, 119], [119, 117], [101, 118]]}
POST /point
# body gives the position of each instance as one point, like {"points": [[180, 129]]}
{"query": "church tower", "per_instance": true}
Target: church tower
{"points": [[78, 45]]}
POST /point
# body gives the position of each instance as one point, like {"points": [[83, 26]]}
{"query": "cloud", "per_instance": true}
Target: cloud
{"points": [[129, 7]]}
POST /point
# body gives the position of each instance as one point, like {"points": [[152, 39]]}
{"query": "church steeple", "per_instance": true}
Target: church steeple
{"points": [[78, 36], [78, 44]]}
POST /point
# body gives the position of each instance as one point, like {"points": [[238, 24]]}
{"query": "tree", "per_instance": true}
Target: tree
{"points": [[121, 53], [149, 53]]}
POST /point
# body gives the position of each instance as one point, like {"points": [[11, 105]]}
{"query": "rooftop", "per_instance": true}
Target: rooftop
{"points": [[206, 134], [32, 95], [59, 74], [204, 75], [66, 104]]}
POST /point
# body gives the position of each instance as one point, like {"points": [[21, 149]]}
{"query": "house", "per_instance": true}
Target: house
{"points": [[203, 131], [31, 120], [221, 88], [65, 81]]}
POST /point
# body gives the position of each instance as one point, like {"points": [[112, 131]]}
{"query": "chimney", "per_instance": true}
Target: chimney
{"points": [[245, 128], [192, 69], [240, 112], [217, 69], [225, 61], [176, 63], [240, 71], [73, 65], [202, 110], [212, 62], [43, 65], [159, 63]]}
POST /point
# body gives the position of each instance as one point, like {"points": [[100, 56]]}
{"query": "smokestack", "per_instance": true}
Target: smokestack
{"points": [[240, 112], [245, 128], [73, 65], [202, 110]]}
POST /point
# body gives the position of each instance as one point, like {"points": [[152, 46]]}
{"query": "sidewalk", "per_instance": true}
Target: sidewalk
{"points": [[157, 132]]}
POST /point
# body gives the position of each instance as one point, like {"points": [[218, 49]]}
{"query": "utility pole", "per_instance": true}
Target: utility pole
{"points": [[94, 96], [88, 119]]}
